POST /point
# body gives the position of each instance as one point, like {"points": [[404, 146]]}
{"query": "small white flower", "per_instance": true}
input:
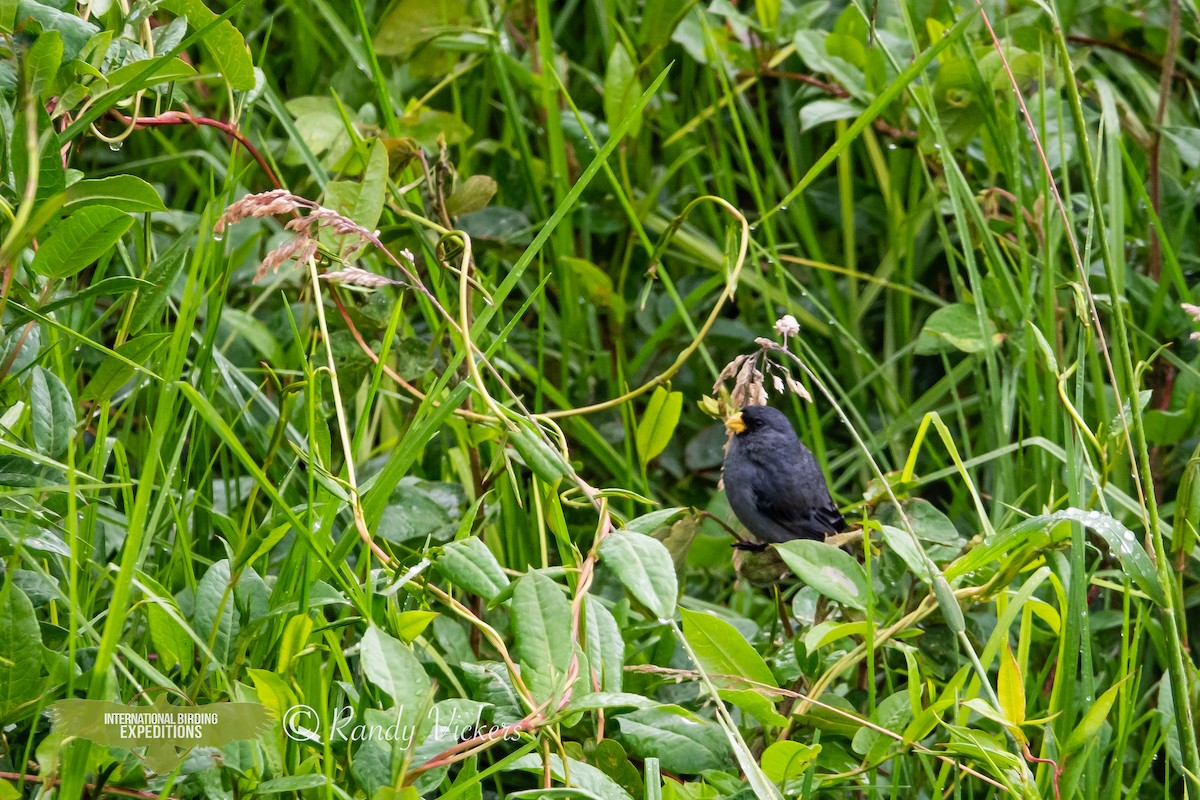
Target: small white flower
{"points": [[1192, 311], [787, 326]]}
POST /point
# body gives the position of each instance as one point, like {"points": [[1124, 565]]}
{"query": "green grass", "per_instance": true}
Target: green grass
{"points": [[486, 491]]}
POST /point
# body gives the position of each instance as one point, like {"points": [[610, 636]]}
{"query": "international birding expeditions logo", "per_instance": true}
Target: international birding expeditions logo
{"points": [[167, 732]]}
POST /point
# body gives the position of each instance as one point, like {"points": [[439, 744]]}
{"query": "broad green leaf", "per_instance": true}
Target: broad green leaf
{"points": [[596, 700], [411, 624], [20, 651], [541, 619], [657, 425], [595, 285], [469, 563], [684, 742], [113, 373], [818, 112], [411, 23], [722, 650], [214, 614], [1093, 720], [583, 776], [474, 193], [128, 79], [362, 201], [162, 274], [621, 90], [1010, 688], [170, 639], [603, 644], [786, 760], [546, 462], [291, 783], [109, 287], [52, 413], [42, 61], [645, 568], [392, 667], [755, 705], [955, 327], [649, 523], [830, 631], [224, 43], [79, 240], [75, 31], [128, 192], [901, 543], [832, 572]]}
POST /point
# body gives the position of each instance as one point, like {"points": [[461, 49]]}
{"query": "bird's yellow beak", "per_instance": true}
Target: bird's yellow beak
{"points": [[735, 423]]}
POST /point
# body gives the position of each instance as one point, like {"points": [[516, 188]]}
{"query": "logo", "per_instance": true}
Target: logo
{"points": [[168, 733]]}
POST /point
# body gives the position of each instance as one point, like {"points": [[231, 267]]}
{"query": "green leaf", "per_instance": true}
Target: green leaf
{"points": [[170, 639], [1092, 721], [541, 619], [75, 31], [214, 614], [645, 568], [582, 775], [603, 644], [818, 112], [596, 285], [162, 274], [20, 652], [113, 373], [955, 327], [474, 193], [52, 413], [129, 79], [42, 61], [470, 564], [684, 742], [658, 423], [80, 239], [224, 44], [392, 667], [597, 700], [648, 523], [1010, 688], [722, 650], [109, 287], [755, 705], [786, 760], [621, 91], [827, 569], [411, 624], [291, 783], [130, 193], [901, 543], [546, 462], [362, 201]]}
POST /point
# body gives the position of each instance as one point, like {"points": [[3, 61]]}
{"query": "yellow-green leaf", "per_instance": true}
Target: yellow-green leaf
{"points": [[658, 423]]}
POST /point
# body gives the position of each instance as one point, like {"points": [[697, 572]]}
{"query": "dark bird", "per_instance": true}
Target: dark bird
{"points": [[774, 483]]}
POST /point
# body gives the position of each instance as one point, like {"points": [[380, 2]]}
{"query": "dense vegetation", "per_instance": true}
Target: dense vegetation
{"points": [[430, 436]]}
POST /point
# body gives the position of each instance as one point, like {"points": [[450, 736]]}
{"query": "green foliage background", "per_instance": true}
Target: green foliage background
{"points": [[478, 498]]}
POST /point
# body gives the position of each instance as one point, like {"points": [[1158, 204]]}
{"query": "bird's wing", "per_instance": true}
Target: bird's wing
{"points": [[235, 721], [781, 499]]}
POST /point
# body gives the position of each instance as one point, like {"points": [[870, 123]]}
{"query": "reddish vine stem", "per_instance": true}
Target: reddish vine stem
{"points": [[184, 118]]}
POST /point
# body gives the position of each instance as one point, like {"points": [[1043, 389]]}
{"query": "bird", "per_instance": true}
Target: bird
{"points": [[774, 484]]}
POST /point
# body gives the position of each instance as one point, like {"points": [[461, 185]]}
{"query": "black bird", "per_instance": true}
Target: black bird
{"points": [[774, 483]]}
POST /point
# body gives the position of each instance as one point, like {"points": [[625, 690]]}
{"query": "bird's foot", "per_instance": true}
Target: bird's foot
{"points": [[750, 547]]}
